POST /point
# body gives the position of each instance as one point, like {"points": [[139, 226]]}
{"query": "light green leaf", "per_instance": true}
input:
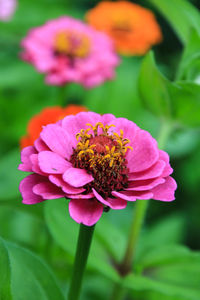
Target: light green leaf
{"points": [[168, 230], [181, 14], [65, 232], [179, 101], [189, 68], [186, 103], [5, 281], [154, 88], [170, 270], [31, 278]]}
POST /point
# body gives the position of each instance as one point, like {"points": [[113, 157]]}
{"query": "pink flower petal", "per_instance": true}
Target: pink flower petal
{"points": [[77, 177], [35, 165], [144, 185], [87, 212], [52, 163], [153, 172], [40, 145], [26, 165], [165, 191], [114, 203], [26, 189], [68, 189], [48, 191], [57, 140], [144, 154], [134, 195], [167, 170], [81, 196], [78, 122], [108, 119], [129, 129]]}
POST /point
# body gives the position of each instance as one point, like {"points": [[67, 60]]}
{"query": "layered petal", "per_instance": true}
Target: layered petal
{"points": [[165, 191], [57, 140], [165, 157], [52, 163], [87, 212], [155, 171], [144, 185], [68, 189], [26, 165], [133, 196], [77, 177], [114, 203], [144, 154], [26, 189], [47, 190]]}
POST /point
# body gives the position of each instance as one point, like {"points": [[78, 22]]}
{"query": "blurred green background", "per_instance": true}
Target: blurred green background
{"points": [[46, 229]]}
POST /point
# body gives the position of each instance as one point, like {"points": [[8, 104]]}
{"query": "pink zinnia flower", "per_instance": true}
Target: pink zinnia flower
{"points": [[7, 9], [98, 162], [68, 50]]}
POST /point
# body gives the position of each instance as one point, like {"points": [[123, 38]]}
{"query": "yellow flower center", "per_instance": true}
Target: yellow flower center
{"points": [[103, 155], [72, 44]]}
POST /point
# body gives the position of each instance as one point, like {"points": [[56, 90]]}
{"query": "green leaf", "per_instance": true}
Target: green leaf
{"points": [[5, 282], [65, 232], [154, 88], [179, 101], [169, 270], [189, 68], [181, 14], [31, 278], [168, 230], [10, 176], [182, 142], [186, 103]]}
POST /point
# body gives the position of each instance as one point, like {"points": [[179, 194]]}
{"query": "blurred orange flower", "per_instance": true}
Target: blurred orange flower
{"points": [[45, 117], [133, 28]]}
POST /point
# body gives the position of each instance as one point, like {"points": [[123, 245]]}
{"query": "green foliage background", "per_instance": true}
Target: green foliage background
{"points": [[38, 242]]}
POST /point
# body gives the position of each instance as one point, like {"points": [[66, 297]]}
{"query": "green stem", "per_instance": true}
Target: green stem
{"points": [[137, 221], [82, 252], [118, 292]]}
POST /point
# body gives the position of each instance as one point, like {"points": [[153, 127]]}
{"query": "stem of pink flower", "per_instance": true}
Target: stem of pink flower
{"points": [[139, 215], [82, 252]]}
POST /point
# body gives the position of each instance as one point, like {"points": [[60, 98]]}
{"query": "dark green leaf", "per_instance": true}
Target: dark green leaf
{"points": [[181, 14], [31, 278]]}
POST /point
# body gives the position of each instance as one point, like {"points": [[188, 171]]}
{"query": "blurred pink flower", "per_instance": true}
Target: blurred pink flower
{"points": [[7, 9], [68, 50], [98, 162]]}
